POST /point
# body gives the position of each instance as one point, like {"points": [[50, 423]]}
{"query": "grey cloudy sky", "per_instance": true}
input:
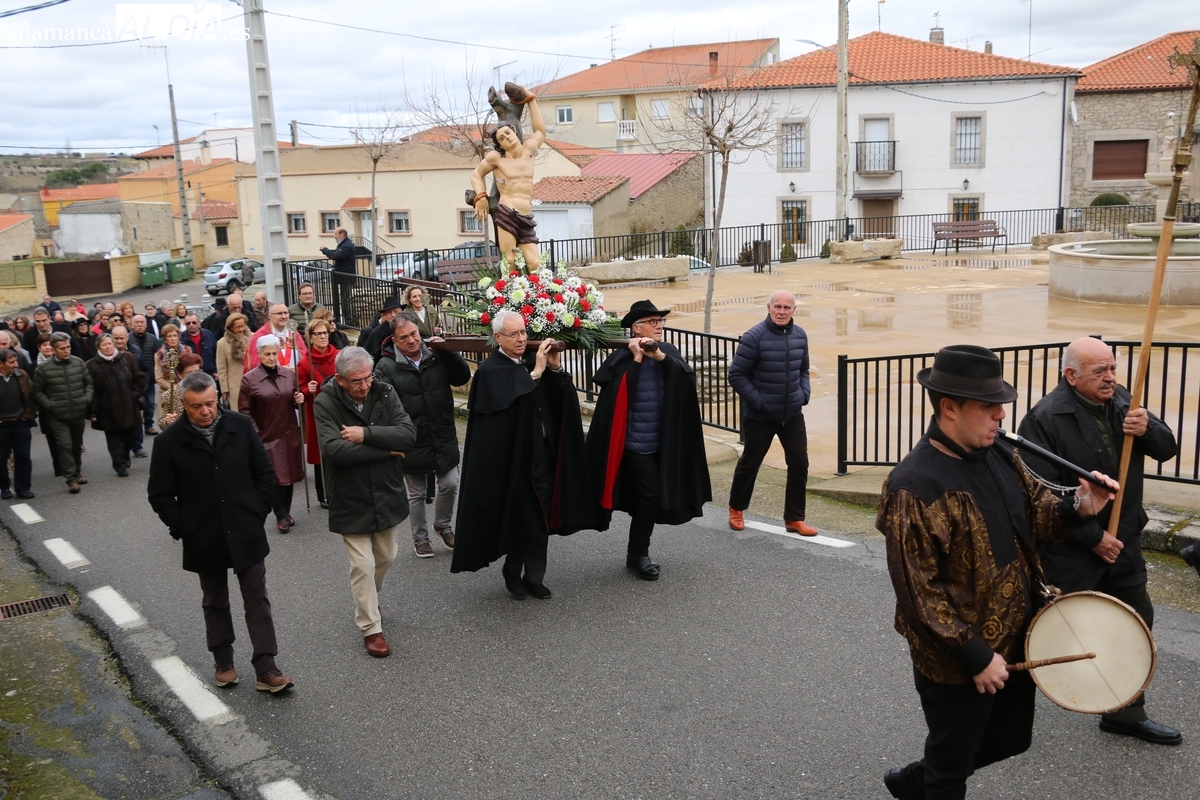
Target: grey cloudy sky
{"points": [[110, 97]]}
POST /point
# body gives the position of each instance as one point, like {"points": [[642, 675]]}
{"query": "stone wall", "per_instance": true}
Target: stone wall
{"points": [[610, 214], [17, 298], [677, 199], [147, 227], [16, 243], [1124, 115]]}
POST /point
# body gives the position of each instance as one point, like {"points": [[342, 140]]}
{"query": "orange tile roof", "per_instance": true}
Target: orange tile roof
{"points": [[570, 190], [217, 209], [90, 191], [644, 170], [887, 58], [678, 68], [577, 153], [1142, 68], [12, 220], [163, 151], [357, 204], [168, 170], [440, 134]]}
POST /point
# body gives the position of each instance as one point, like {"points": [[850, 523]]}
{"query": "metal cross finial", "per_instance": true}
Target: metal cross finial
{"points": [[1190, 59]]}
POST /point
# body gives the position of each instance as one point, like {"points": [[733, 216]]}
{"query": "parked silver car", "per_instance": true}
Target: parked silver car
{"points": [[397, 266], [225, 276]]}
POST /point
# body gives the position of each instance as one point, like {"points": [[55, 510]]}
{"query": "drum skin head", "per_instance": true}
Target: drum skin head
{"points": [[1091, 622]]}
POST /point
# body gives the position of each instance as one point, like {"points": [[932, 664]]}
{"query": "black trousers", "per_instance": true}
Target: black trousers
{"points": [[51, 443], [319, 482], [1139, 598], [759, 434], [218, 621], [120, 444], [968, 731], [68, 437], [641, 472], [16, 438], [282, 500], [529, 561]]}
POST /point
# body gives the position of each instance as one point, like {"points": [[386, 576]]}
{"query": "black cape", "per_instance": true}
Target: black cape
{"points": [[684, 485], [499, 509]]}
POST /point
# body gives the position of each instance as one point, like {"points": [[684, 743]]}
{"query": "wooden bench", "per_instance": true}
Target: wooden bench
{"points": [[457, 272], [968, 230]]}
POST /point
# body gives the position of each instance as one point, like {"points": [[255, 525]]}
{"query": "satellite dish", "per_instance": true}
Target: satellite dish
{"points": [[1074, 113]]}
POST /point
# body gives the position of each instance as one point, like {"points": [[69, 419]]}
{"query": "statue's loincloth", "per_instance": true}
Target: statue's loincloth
{"points": [[523, 227]]}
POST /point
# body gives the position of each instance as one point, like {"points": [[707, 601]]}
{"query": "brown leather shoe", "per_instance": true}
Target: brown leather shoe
{"points": [[152, 431], [447, 535], [82, 481], [377, 646], [73, 487], [801, 527], [225, 675], [735, 520], [273, 681], [423, 549]]}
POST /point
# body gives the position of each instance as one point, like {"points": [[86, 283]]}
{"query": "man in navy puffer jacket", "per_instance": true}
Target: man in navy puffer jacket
{"points": [[770, 372]]}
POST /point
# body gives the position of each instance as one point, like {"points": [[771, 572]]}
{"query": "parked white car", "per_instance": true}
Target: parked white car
{"points": [[225, 276]]}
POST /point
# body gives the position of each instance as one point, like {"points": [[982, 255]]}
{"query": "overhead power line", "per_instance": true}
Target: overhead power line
{"points": [[27, 9]]}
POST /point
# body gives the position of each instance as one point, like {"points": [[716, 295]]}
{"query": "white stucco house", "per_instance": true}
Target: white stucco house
{"points": [[932, 130]]}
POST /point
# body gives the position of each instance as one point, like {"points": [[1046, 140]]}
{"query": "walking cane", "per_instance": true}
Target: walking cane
{"points": [[321, 463], [303, 423]]}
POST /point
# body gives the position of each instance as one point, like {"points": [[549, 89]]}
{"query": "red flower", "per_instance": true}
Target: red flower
{"points": [[543, 296], [499, 301], [558, 298], [526, 310], [526, 320], [585, 305], [578, 322], [486, 319], [500, 284], [549, 316], [535, 280], [582, 291], [513, 274], [558, 282]]}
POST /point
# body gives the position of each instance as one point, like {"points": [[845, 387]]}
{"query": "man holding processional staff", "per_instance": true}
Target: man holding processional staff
{"points": [[963, 519]]}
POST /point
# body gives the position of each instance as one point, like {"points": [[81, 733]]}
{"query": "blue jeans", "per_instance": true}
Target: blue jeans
{"points": [[15, 438], [148, 411]]}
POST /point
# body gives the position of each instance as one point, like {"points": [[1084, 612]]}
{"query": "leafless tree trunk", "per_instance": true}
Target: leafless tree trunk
{"points": [[379, 138]]}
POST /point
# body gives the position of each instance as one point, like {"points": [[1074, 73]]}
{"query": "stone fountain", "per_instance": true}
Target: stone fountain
{"points": [[1121, 270]]}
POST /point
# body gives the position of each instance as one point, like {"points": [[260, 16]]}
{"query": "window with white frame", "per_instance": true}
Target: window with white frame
{"points": [[565, 116], [297, 224], [795, 145], [398, 222], [330, 221], [695, 106], [968, 140], [660, 109], [468, 222], [606, 112]]}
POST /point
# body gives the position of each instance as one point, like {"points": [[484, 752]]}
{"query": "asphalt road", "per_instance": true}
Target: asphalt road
{"points": [[758, 666]]}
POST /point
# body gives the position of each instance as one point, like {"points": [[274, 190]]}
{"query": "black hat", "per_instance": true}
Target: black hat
{"points": [[220, 302], [389, 304], [640, 310], [81, 321], [967, 370]]}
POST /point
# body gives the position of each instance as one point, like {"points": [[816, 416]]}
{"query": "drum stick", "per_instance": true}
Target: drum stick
{"points": [[1025, 666], [1046, 454]]}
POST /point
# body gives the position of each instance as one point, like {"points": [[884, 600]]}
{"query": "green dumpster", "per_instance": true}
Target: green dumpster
{"points": [[153, 274], [179, 269]]}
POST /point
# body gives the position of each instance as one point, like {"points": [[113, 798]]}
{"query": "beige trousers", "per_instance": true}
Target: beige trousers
{"points": [[370, 556]]}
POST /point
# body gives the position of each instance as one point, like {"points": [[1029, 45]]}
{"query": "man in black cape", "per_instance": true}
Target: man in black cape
{"points": [[524, 473], [646, 445]]}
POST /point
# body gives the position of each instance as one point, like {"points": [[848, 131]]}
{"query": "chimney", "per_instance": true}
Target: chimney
{"points": [[937, 35], [712, 63], [987, 48], [205, 152]]}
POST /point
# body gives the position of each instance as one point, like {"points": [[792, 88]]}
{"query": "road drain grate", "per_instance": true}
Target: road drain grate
{"points": [[26, 607]]}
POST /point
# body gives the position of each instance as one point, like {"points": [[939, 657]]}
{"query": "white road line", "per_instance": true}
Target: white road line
{"points": [[65, 552], [119, 611], [187, 687], [779, 530], [26, 513], [283, 790]]}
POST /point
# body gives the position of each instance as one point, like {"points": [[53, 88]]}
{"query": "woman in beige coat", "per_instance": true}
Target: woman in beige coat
{"points": [[231, 353]]}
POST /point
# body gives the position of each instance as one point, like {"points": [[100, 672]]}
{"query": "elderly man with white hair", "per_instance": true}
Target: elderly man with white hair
{"points": [[770, 372], [292, 349], [363, 432]]}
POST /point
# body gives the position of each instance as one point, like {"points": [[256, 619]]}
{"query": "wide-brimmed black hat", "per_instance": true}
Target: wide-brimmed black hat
{"points": [[390, 304], [640, 310], [967, 370]]}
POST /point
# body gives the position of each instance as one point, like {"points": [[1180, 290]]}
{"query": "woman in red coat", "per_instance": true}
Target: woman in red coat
{"points": [[314, 368], [269, 396]]}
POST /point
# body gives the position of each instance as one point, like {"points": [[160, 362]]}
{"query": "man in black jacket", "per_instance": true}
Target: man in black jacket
{"points": [[1085, 420], [422, 378], [211, 484], [149, 344], [646, 444], [344, 264]]}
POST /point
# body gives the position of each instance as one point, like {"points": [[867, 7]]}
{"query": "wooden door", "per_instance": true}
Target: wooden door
{"points": [[877, 217]]}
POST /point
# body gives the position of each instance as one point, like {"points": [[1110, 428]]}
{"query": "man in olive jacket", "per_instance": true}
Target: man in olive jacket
{"points": [[211, 484], [423, 379], [62, 387], [363, 432]]}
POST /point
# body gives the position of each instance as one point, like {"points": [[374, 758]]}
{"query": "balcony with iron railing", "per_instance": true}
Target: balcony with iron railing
{"points": [[627, 130], [875, 158]]}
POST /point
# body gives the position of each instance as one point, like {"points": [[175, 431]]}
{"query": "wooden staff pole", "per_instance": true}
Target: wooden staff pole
{"points": [[1183, 156], [303, 411]]}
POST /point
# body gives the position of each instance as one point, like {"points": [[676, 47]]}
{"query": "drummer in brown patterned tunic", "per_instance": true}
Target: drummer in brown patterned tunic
{"points": [[963, 518]]}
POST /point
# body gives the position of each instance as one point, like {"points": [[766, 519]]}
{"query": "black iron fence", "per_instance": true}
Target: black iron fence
{"points": [[883, 411]]}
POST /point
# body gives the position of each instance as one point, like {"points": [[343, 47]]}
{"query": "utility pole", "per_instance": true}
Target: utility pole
{"points": [[266, 143], [183, 207], [843, 143]]}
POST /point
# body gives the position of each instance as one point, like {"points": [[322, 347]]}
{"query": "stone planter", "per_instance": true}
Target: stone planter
{"points": [[868, 250], [639, 269]]}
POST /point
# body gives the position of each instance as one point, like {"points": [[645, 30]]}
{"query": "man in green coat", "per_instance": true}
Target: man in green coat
{"points": [[62, 387], [423, 379], [363, 432]]}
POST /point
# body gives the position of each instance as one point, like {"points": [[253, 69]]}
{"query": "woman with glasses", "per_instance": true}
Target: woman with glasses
{"points": [[270, 397], [314, 370]]}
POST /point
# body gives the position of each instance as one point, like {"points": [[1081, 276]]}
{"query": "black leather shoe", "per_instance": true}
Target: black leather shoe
{"points": [[6, 494], [899, 782], [1147, 731], [516, 587], [643, 567], [325, 504], [539, 591], [1192, 558], [25, 495]]}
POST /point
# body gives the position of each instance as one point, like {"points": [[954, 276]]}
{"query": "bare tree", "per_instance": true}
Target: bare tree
{"points": [[454, 118], [728, 124], [380, 137]]}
